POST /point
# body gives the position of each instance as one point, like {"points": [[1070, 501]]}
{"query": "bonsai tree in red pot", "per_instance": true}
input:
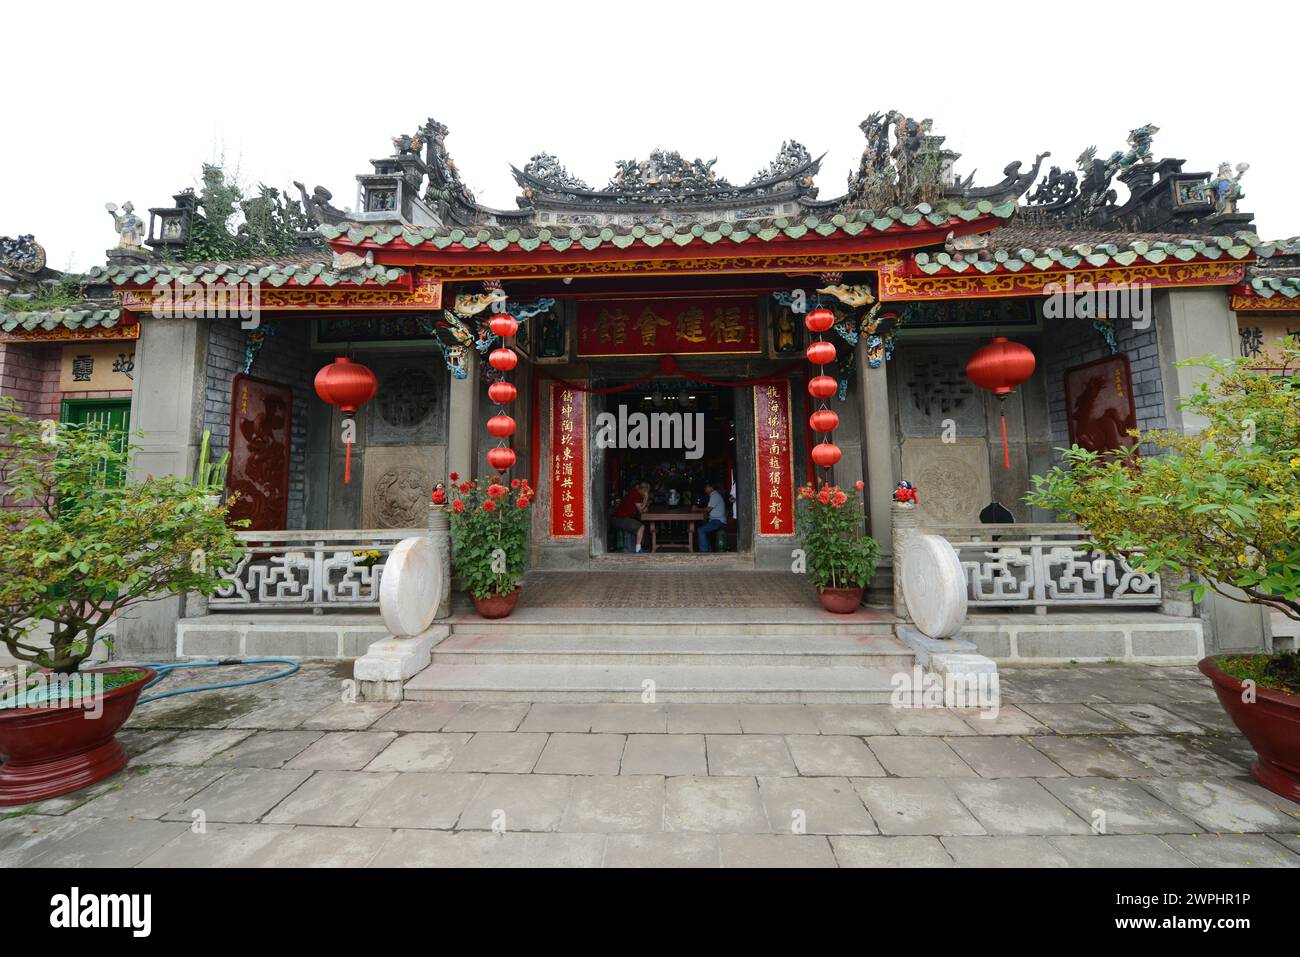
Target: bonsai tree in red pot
{"points": [[78, 544], [1223, 504], [489, 538], [840, 558]]}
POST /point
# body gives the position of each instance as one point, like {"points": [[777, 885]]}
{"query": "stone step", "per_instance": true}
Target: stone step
{"points": [[672, 683], [879, 651], [696, 623]]}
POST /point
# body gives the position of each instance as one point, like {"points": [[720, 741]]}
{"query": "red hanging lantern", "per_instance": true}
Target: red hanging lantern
{"points": [[501, 458], [822, 386], [502, 392], [501, 426], [826, 454], [824, 420], [503, 325], [819, 320], [503, 360], [347, 386], [1000, 367], [821, 352]]}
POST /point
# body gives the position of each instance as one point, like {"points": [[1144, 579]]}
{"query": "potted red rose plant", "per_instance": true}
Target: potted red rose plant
{"points": [[840, 557], [489, 537]]}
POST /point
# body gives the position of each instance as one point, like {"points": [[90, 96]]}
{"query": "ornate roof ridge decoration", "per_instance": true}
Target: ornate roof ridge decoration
{"points": [[1161, 196], [48, 320], [666, 180], [1239, 246], [904, 163], [1267, 286], [445, 193], [271, 273], [653, 233]]}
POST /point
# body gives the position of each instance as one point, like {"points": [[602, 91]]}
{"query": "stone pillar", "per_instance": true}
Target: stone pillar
{"points": [[903, 526], [1191, 322], [440, 532], [171, 362], [877, 450], [462, 419]]}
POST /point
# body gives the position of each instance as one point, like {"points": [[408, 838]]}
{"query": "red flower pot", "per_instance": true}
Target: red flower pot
{"points": [[496, 606], [1271, 724], [49, 751], [841, 601]]}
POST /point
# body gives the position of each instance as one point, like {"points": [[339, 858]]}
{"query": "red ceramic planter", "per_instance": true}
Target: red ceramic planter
{"points": [[52, 751], [496, 606], [841, 601], [1271, 724]]}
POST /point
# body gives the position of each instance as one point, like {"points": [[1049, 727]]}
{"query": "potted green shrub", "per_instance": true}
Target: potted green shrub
{"points": [[489, 537], [1224, 505], [840, 558], [78, 545]]}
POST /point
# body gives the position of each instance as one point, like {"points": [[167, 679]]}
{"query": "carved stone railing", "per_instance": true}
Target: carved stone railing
{"points": [[1044, 567], [317, 570]]}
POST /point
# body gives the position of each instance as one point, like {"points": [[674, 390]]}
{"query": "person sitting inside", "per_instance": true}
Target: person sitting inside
{"points": [[626, 516], [717, 517]]}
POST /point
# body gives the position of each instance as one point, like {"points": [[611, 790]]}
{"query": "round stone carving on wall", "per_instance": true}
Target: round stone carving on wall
{"points": [[407, 397], [399, 498], [934, 585]]}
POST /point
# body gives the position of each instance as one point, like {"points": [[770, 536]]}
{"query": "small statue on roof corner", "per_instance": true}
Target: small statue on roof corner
{"points": [[129, 226], [905, 494]]}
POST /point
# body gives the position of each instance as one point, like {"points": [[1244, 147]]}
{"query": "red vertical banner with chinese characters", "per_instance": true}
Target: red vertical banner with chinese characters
{"points": [[568, 462], [774, 461]]}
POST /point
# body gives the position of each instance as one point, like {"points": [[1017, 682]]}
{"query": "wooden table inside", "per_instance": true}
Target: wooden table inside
{"points": [[688, 515]]}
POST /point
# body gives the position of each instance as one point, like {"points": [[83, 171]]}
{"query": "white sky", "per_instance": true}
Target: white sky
{"points": [[124, 101]]}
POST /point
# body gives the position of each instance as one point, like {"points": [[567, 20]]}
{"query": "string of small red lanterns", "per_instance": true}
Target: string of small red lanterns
{"points": [[821, 387], [502, 425], [347, 385]]}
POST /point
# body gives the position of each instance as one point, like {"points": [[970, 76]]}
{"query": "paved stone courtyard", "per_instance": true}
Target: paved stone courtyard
{"points": [[287, 774]]}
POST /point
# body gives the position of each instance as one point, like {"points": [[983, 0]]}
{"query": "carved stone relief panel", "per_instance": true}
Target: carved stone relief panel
{"points": [[951, 479], [932, 386], [411, 404], [398, 482]]}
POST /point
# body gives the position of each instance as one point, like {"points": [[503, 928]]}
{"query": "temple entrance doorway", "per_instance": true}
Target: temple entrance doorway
{"points": [[670, 440]]}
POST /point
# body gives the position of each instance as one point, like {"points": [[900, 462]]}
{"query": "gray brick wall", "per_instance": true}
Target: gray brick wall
{"points": [[1070, 342], [287, 358]]}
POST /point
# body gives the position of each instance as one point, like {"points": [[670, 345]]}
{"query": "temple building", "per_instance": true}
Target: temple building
{"points": [[662, 340]]}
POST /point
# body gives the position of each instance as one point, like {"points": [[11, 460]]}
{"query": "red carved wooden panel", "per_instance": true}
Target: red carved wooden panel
{"points": [[261, 418], [1099, 404]]}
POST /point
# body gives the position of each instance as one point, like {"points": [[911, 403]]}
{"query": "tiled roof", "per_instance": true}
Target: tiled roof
{"points": [[1013, 249], [1268, 283], [51, 319], [560, 238], [277, 271]]}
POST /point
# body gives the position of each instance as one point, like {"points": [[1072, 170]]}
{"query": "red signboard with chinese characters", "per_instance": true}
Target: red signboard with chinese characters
{"points": [[774, 462], [656, 327], [261, 418], [568, 461]]}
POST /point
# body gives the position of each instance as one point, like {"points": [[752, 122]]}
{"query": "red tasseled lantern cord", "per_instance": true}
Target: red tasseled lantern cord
{"points": [[1006, 452]]}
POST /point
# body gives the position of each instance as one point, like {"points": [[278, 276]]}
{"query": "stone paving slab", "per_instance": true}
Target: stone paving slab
{"points": [[193, 748], [421, 800], [487, 717], [240, 796], [1118, 807], [715, 805], [107, 844], [1090, 756], [662, 850], [1071, 718], [902, 806], [420, 751], [331, 798], [749, 754], [266, 749], [349, 716], [418, 716], [343, 751], [1004, 757], [774, 850], [914, 757], [814, 806], [1232, 850], [518, 802], [570, 753], [322, 847], [1011, 806], [219, 845], [667, 754], [1217, 805], [622, 805], [500, 751], [23, 839], [147, 793], [1003, 851], [869, 719], [852, 851], [834, 755], [1118, 850]]}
